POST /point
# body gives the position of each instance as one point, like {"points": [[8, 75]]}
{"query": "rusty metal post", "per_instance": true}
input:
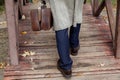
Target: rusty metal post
{"points": [[12, 30], [117, 34]]}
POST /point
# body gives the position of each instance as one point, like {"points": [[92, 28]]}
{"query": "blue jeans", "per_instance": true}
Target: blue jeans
{"points": [[64, 42]]}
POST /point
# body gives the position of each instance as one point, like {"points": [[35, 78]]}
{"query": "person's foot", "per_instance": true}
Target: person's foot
{"points": [[74, 51], [66, 73]]}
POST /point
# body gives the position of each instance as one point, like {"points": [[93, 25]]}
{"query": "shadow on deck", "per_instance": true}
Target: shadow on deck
{"points": [[94, 62]]}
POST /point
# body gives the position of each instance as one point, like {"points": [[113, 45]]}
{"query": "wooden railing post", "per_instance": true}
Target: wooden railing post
{"points": [[115, 29], [95, 4], [25, 1], [85, 1], [12, 17], [111, 17], [20, 8], [99, 9], [117, 34]]}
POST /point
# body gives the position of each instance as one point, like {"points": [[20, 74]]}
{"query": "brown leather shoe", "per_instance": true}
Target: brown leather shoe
{"points": [[66, 73], [74, 51]]}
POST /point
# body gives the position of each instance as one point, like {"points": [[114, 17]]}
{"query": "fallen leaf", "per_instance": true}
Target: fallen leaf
{"points": [[79, 74], [3, 65], [28, 53], [31, 59], [24, 55], [35, 1], [102, 65], [32, 53], [3, 22], [25, 42], [23, 32], [23, 17]]}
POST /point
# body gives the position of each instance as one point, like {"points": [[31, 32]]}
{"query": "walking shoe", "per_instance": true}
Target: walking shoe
{"points": [[66, 73], [74, 51]]}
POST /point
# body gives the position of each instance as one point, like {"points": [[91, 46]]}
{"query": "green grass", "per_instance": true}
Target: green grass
{"points": [[2, 9], [113, 2]]}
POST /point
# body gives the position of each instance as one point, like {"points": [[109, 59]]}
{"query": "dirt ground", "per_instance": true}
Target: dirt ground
{"points": [[3, 38], [3, 43]]}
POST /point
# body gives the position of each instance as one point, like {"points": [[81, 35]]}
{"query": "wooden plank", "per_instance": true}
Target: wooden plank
{"points": [[80, 76], [44, 67], [117, 41], [52, 43], [47, 53], [101, 34], [12, 24], [45, 38], [88, 46], [20, 8], [85, 30], [93, 35], [43, 55], [55, 72], [80, 64], [83, 64]]}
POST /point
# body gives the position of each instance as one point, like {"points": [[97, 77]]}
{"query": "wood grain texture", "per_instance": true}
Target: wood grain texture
{"points": [[12, 17], [117, 41], [95, 60]]}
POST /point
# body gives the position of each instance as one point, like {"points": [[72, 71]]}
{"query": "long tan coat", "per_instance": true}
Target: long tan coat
{"points": [[66, 13]]}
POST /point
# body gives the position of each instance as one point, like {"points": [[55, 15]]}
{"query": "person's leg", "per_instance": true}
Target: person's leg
{"points": [[74, 39], [62, 41]]}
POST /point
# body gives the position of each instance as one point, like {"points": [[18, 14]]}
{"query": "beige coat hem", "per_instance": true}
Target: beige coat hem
{"points": [[66, 13]]}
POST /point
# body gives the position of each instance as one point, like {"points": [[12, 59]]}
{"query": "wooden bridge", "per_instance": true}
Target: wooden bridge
{"points": [[33, 55]]}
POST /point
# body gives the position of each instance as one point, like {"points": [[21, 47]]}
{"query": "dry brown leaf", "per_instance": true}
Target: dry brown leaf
{"points": [[31, 59], [79, 74], [25, 42], [3, 22], [102, 64], [28, 53], [32, 68], [23, 32], [23, 17], [35, 1], [3, 65], [32, 53]]}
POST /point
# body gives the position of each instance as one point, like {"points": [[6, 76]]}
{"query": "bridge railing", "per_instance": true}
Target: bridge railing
{"points": [[14, 10], [98, 6], [114, 22]]}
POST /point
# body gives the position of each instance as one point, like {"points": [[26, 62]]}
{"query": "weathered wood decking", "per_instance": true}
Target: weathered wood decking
{"points": [[94, 62]]}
